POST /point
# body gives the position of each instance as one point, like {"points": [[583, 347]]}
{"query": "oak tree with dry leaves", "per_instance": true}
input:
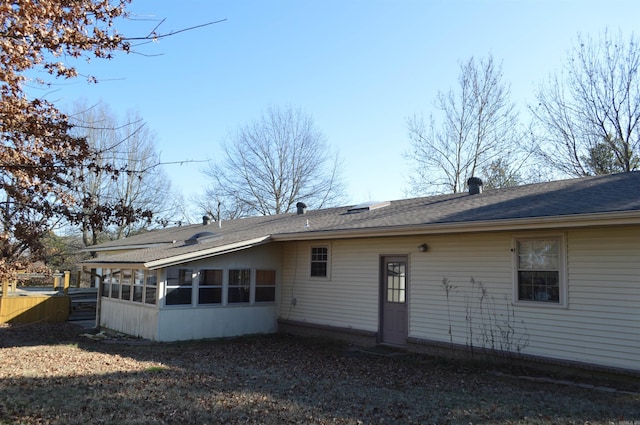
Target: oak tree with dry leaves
{"points": [[39, 155]]}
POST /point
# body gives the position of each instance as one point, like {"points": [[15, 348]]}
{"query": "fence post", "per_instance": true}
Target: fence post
{"points": [[67, 281], [79, 276], [5, 287]]}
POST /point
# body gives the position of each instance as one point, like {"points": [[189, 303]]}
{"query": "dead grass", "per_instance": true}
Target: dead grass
{"points": [[50, 375]]}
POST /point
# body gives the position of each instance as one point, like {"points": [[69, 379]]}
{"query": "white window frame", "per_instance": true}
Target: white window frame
{"points": [[182, 271], [256, 285], [328, 248], [149, 276], [562, 270], [210, 286], [243, 284]]}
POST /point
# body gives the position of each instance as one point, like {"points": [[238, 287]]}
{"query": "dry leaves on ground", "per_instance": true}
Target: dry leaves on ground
{"points": [[49, 374]]}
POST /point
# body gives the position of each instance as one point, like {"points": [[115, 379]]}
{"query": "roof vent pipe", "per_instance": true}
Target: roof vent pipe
{"points": [[206, 220], [302, 208], [475, 185]]}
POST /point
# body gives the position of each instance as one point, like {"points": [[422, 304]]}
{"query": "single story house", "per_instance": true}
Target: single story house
{"points": [[542, 271]]}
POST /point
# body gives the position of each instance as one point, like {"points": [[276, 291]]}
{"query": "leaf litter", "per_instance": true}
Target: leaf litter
{"points": [[50, 374]]}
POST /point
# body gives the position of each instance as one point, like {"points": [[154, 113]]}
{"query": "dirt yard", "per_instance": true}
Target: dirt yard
{"points": [[49, 374]]}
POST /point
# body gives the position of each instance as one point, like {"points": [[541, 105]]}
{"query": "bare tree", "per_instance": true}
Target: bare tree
{"points": [[274, 162], [124, 174], [588, 116], [216, 207], [477, 125]]}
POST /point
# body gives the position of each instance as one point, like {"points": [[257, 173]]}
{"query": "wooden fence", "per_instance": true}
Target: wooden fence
{"points": [[42, 304]]}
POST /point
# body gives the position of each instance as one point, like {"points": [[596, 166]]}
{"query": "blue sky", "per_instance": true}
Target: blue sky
{"points": [[359, 68]]}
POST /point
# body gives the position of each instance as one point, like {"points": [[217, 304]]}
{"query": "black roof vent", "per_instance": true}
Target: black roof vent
{"points": [[475, 185], [301, 207], [201, 237]]}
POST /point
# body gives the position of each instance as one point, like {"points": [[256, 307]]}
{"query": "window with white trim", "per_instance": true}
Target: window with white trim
{"points": [[239, 290], [179, 286], [125, 284], [138, 286], [539, 273], [210, 287], [105, 283], [150, 286], [265, 286], [133, 285], [115, 283], [319, 261]]}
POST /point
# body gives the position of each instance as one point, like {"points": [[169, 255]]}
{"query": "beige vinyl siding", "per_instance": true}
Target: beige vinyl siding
{"points": [[600, 324], [346, 298], [484, 258]]}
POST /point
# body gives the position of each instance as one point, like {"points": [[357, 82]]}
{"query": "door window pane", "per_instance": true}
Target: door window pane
{"points": [[396, 282]]}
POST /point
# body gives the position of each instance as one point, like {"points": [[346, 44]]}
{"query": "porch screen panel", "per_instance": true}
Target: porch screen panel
{"points": [[265, 285], [210, 287], [239, 286], [138, 285], [150, 287], [179, 286]]}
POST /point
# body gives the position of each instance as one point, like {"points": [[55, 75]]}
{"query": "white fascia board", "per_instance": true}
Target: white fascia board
{"points": [[625, 218], [197, 255]]}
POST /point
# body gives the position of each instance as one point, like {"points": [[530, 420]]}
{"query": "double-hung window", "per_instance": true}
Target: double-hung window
{"points": [[239, 290], [150, 286], [265, 286], [125, 283], [539, 270], [179, 285], [319, 261], [210, 287], [115, 283], [105, 283], [138, 285]]}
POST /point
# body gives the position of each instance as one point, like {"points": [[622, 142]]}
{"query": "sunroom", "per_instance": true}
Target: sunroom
{"points": [[235, 293]]}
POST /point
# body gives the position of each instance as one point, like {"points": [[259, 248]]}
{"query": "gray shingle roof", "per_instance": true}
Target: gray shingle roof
{"points": [[590, 196]]}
